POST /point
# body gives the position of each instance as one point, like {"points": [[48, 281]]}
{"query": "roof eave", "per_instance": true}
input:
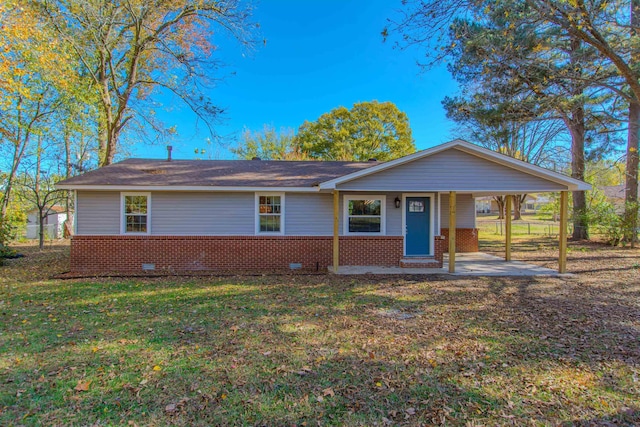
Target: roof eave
{"points": [[195, 188]]}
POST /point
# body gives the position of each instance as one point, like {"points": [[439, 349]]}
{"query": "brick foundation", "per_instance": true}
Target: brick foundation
{"points": [[466, 239], [111, 254]]}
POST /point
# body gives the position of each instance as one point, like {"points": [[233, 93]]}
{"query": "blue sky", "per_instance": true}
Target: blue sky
{"points": [[318, 55]]}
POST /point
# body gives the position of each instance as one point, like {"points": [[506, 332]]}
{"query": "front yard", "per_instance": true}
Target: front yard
{"points": [[323, 350]]}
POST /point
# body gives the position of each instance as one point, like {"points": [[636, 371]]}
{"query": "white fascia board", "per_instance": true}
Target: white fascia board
{"points": [[187, 188], [571, 183], [479, 193]]}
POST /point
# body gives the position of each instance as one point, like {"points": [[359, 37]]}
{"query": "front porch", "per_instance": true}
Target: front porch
{"points": [[467, 264]]}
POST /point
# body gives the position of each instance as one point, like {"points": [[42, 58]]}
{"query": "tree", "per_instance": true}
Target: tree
{"points": [[613, 29], [575, 35], [133, 50], [533, 140], [38, 189], [34, 72], [268, 144], [538, 74], [368, 130]]}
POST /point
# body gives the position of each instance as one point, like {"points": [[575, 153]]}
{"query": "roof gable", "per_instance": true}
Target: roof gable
{"points": [[477, 169]]}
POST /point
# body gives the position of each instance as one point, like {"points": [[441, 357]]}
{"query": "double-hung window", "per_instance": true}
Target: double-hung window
{"points": [[269, 213], [136, 213], [364, 215]]}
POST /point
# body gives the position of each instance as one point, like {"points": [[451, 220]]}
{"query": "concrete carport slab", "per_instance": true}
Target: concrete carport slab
{"points": [[467, 264]]}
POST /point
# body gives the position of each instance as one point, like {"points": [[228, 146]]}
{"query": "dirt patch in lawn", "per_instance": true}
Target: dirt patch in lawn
{"points": [[324, 350]]}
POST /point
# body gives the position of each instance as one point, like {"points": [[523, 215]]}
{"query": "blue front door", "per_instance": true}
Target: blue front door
{"points": [[417, 236]]}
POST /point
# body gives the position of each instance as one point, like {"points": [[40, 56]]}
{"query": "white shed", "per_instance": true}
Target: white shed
{"points": [[53, 223]]}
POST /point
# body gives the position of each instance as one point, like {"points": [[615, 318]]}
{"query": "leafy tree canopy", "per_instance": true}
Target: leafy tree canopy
{"points": [[368, 130], [268, 144]]}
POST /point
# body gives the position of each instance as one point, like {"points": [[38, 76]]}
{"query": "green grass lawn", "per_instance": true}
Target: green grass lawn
{"points": [[323, 350]]}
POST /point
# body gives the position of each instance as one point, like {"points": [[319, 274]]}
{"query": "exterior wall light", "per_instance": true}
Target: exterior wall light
{"points": [[397, 200]]}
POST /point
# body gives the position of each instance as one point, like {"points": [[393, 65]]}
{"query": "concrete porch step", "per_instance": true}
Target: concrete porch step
{"points": [[419, 262]]}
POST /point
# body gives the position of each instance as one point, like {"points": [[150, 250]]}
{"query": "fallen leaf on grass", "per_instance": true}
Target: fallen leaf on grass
{"points": [[306, 370], [157, 368], [82, 386], [328, 392]]}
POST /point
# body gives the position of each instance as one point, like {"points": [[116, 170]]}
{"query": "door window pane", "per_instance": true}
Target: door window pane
{"points": [[416, 206]]}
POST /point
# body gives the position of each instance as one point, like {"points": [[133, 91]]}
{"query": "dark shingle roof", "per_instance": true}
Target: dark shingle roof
{"points": [[217, 173]]}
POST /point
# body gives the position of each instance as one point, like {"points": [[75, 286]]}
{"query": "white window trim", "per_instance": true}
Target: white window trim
{"points": [[123, 222], [383, 213], [256, 210], [431, 197]]}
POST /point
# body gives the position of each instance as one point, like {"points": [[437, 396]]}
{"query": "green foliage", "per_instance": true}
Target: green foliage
{"points": [[8, 231], [551, 209], [133, 51], [608, 219], [268, 144], [604, 220], [368, 130], [604, 173]]}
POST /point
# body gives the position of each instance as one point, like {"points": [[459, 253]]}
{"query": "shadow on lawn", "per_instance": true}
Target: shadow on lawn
{"points": [[290, 349]]}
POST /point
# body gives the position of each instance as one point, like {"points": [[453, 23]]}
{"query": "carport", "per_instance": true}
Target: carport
{"points": [[452, 172]]}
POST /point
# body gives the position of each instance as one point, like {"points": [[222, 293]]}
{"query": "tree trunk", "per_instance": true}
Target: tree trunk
{"points": [[500, 201], [67, 175], [576, 124], [42, 217], [37, 191], [580, 223], [17, 157], [631, 184], [518, 201]]}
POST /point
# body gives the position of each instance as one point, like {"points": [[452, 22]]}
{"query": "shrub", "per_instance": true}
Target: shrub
{"points": [[7, 234], [604, 219]]}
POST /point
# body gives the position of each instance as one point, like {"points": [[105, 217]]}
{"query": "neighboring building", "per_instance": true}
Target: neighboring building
{"points": [[53, 223], [533, 203], [616, 194], [181, 215], [484, 205]]}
